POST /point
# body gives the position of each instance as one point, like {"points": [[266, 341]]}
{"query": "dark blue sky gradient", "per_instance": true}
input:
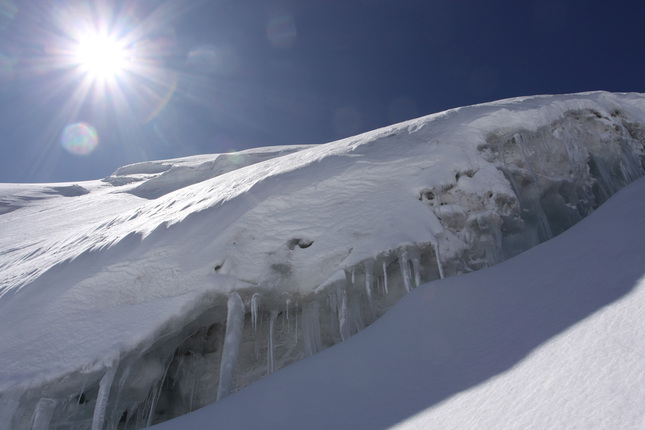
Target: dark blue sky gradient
{"points": [[244, 73]]}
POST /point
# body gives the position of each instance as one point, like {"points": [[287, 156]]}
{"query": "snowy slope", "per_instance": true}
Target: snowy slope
{"points": [[553, 338], [170, 284]]}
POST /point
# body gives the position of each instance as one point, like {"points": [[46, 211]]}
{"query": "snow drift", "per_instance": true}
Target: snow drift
{"points": [[171, 284]]}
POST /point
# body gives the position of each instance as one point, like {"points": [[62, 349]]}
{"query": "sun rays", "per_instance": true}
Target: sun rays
{"points": [[110, 60]]}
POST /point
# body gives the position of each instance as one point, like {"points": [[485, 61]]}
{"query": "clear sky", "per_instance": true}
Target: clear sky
{"points": [[89, 86]]}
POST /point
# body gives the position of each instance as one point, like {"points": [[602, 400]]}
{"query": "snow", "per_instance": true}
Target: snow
{"points": [[122, 294], [553, 338]]}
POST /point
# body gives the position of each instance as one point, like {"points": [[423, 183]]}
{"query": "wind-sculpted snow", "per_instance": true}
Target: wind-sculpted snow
{"points": [[158, 177], [139, 301]]}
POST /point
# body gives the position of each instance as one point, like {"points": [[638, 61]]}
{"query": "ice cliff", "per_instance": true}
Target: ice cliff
{"points": [[171, 284]]}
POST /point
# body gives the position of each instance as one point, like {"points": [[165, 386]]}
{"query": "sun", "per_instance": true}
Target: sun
{"points": [[101, 56], [109, 63]]}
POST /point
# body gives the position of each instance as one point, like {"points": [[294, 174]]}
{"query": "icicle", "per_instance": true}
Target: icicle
{"points": [[65, 407], [604, 179], [543, 224], [333, 305], [356, 314], [405, 270], [377, 287], [342, 316], [255, 303], [122, 381], [287, 316], [270, 350], [102, 398], [514, 185], [353, 277], [416, 266], [80, 396], [519, 139], [232, 339], [311, 329], [288, 304], [139, 423], [193, 391], [385, 277], [369, 271], [155, 395], [8, 407], [113, 423], [436, 254], [332, 301], [296, 330], [43, 414], [151, 411], [130, 416]]}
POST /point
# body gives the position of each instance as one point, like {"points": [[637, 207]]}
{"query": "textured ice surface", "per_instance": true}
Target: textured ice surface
{"points": [[120, 298]]}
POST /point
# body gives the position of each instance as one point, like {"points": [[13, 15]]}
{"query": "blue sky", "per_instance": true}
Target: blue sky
{"points": [[216, 76]]}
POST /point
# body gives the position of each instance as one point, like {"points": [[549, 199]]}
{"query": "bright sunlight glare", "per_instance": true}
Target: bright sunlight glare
{"points": [[101, 56]]}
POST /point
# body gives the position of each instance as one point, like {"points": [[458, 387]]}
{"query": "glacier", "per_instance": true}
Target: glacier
{"points": [[171, 284], [552, 338]]}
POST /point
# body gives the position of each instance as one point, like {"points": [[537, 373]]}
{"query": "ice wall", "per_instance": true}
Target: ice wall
{"points": [[510, 186]]}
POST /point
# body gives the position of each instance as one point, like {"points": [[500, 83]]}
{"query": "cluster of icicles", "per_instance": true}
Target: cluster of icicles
{"points": [[296, 328]]}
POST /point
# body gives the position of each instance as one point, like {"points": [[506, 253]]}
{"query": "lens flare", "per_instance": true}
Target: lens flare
{"points": [[6, 68], [8, 12], [80, 138], [217, 60], [108, 65], [235, 157], [281, 31]]}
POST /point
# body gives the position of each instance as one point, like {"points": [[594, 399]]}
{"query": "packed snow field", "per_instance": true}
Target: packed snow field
{"points": [[171, 284]]}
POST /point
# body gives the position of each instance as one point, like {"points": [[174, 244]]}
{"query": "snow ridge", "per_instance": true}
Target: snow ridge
{"points": [[256, 267]]}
